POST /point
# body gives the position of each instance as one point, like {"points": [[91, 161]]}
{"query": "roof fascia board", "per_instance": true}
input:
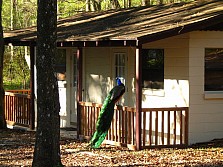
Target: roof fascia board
{"points": [[8, 41], [99, 43], [102, 43]]}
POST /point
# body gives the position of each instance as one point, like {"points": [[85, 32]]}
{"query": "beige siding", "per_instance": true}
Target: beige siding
{"points": [[131, 76], [97, 67], [205, 121], [99, 74], [176, 73]]}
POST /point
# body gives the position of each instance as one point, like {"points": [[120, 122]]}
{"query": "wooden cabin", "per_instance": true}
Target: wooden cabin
{"points": [[169, 58]]}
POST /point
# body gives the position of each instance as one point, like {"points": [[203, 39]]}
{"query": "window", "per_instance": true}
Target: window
{"points": [[153, 68], [120, 66], [213, 69]]}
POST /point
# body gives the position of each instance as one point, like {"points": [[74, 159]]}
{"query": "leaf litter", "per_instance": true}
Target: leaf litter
{"points": [[16, 149]]}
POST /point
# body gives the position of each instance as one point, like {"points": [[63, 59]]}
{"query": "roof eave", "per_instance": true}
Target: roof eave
{"points": [[181, 29]]}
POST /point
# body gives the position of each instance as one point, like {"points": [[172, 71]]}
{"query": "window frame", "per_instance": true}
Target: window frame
{"points": [[211, 94], [117, 66], [148, 89]]}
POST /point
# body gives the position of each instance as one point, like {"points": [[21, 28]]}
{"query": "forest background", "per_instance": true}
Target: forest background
{"points": [[18, 14]]}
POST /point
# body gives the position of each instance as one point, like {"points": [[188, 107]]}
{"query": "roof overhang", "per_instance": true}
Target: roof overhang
{"points": [[129, 27]]}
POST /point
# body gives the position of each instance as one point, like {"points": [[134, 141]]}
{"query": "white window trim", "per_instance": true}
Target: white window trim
{"points": [[212, 95]]}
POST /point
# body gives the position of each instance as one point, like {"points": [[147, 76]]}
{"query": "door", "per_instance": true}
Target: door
{"points": [[73, 79], [60, 69], [120, 70]]}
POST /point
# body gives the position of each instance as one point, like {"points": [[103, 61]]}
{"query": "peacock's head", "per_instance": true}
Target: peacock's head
{"points": [[119, 81]]}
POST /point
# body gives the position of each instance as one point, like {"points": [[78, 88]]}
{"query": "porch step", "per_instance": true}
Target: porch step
{"points": [[69, 132]]}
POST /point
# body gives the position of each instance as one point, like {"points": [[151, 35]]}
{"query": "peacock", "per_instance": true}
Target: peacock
{"points": [[106, 114]]}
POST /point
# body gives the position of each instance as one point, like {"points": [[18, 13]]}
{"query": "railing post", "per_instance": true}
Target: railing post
{"points": [[79, 89], [32, 88], [186, 125], [138, 95]]}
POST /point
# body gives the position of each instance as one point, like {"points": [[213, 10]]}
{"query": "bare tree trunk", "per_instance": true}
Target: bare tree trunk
{"points": [[47, 146], [115, 4], [88, 6], [160, 2], [96, 5], [129, 3], [2, 92], [145, 2]]}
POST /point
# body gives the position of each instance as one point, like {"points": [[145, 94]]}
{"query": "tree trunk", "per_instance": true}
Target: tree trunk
{"points": [[47, 147], [96, 5], [115, 4], [2, 92], [145, 2], [88, 6]]}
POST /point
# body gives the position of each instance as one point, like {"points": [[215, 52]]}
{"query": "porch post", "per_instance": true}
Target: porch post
{"points": [[32, 88], [138, 95], [79, 88]]}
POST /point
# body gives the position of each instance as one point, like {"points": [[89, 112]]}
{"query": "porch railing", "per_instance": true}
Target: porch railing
{"points": [[161, 127], [22, 91], [17, 107]]}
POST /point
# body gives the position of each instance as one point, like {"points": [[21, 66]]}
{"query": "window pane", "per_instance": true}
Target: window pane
{"points": [[153, 68], [120, 66], [214, 69]]}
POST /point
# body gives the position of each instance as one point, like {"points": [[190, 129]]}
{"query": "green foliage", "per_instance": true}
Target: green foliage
{"points": [[19, 14], [6, 14], [16, 71]]}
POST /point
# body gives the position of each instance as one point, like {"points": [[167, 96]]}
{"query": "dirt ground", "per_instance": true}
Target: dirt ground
{"points": [[16, 149]]}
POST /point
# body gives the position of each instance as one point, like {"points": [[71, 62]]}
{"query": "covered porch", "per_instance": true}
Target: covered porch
{"points": [[160, 127]]}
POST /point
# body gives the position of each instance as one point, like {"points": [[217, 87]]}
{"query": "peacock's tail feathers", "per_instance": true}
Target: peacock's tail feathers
{"points": [[97, 139], [106, 115]]}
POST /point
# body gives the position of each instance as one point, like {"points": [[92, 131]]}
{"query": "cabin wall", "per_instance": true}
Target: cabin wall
{"points": [[176, 74], [98, 70], [176, 84], [97, 73], [206, 111], [183, 80]]}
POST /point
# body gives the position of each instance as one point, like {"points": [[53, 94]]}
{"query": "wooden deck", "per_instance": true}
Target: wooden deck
{"points": [[17, 107], [161, 127]]}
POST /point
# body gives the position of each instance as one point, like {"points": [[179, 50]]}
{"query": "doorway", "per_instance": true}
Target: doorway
{"points": [[73, 88]]}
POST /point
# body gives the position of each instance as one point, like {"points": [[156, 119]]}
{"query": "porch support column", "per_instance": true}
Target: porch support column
{"points": [[79, 87], [138, 95], [32, 88]]}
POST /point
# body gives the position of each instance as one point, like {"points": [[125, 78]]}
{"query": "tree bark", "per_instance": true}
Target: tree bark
{"points": [[2, 92], [47, 147], [115, 4], [145, 2]]}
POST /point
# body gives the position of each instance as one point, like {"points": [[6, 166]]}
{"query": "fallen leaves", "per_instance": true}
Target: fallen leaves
{"points": [[16, 149]]}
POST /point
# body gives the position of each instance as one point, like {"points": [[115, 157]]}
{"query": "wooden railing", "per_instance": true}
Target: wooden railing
{"points": [[17, 107], [22, 91], [164, 127], [161, 127]]}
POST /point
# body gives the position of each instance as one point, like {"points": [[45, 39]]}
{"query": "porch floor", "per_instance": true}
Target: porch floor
{"points": [[70, 132]]}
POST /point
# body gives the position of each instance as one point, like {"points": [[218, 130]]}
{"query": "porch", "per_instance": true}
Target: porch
{"points": [[160, 127], [18, 110]]}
